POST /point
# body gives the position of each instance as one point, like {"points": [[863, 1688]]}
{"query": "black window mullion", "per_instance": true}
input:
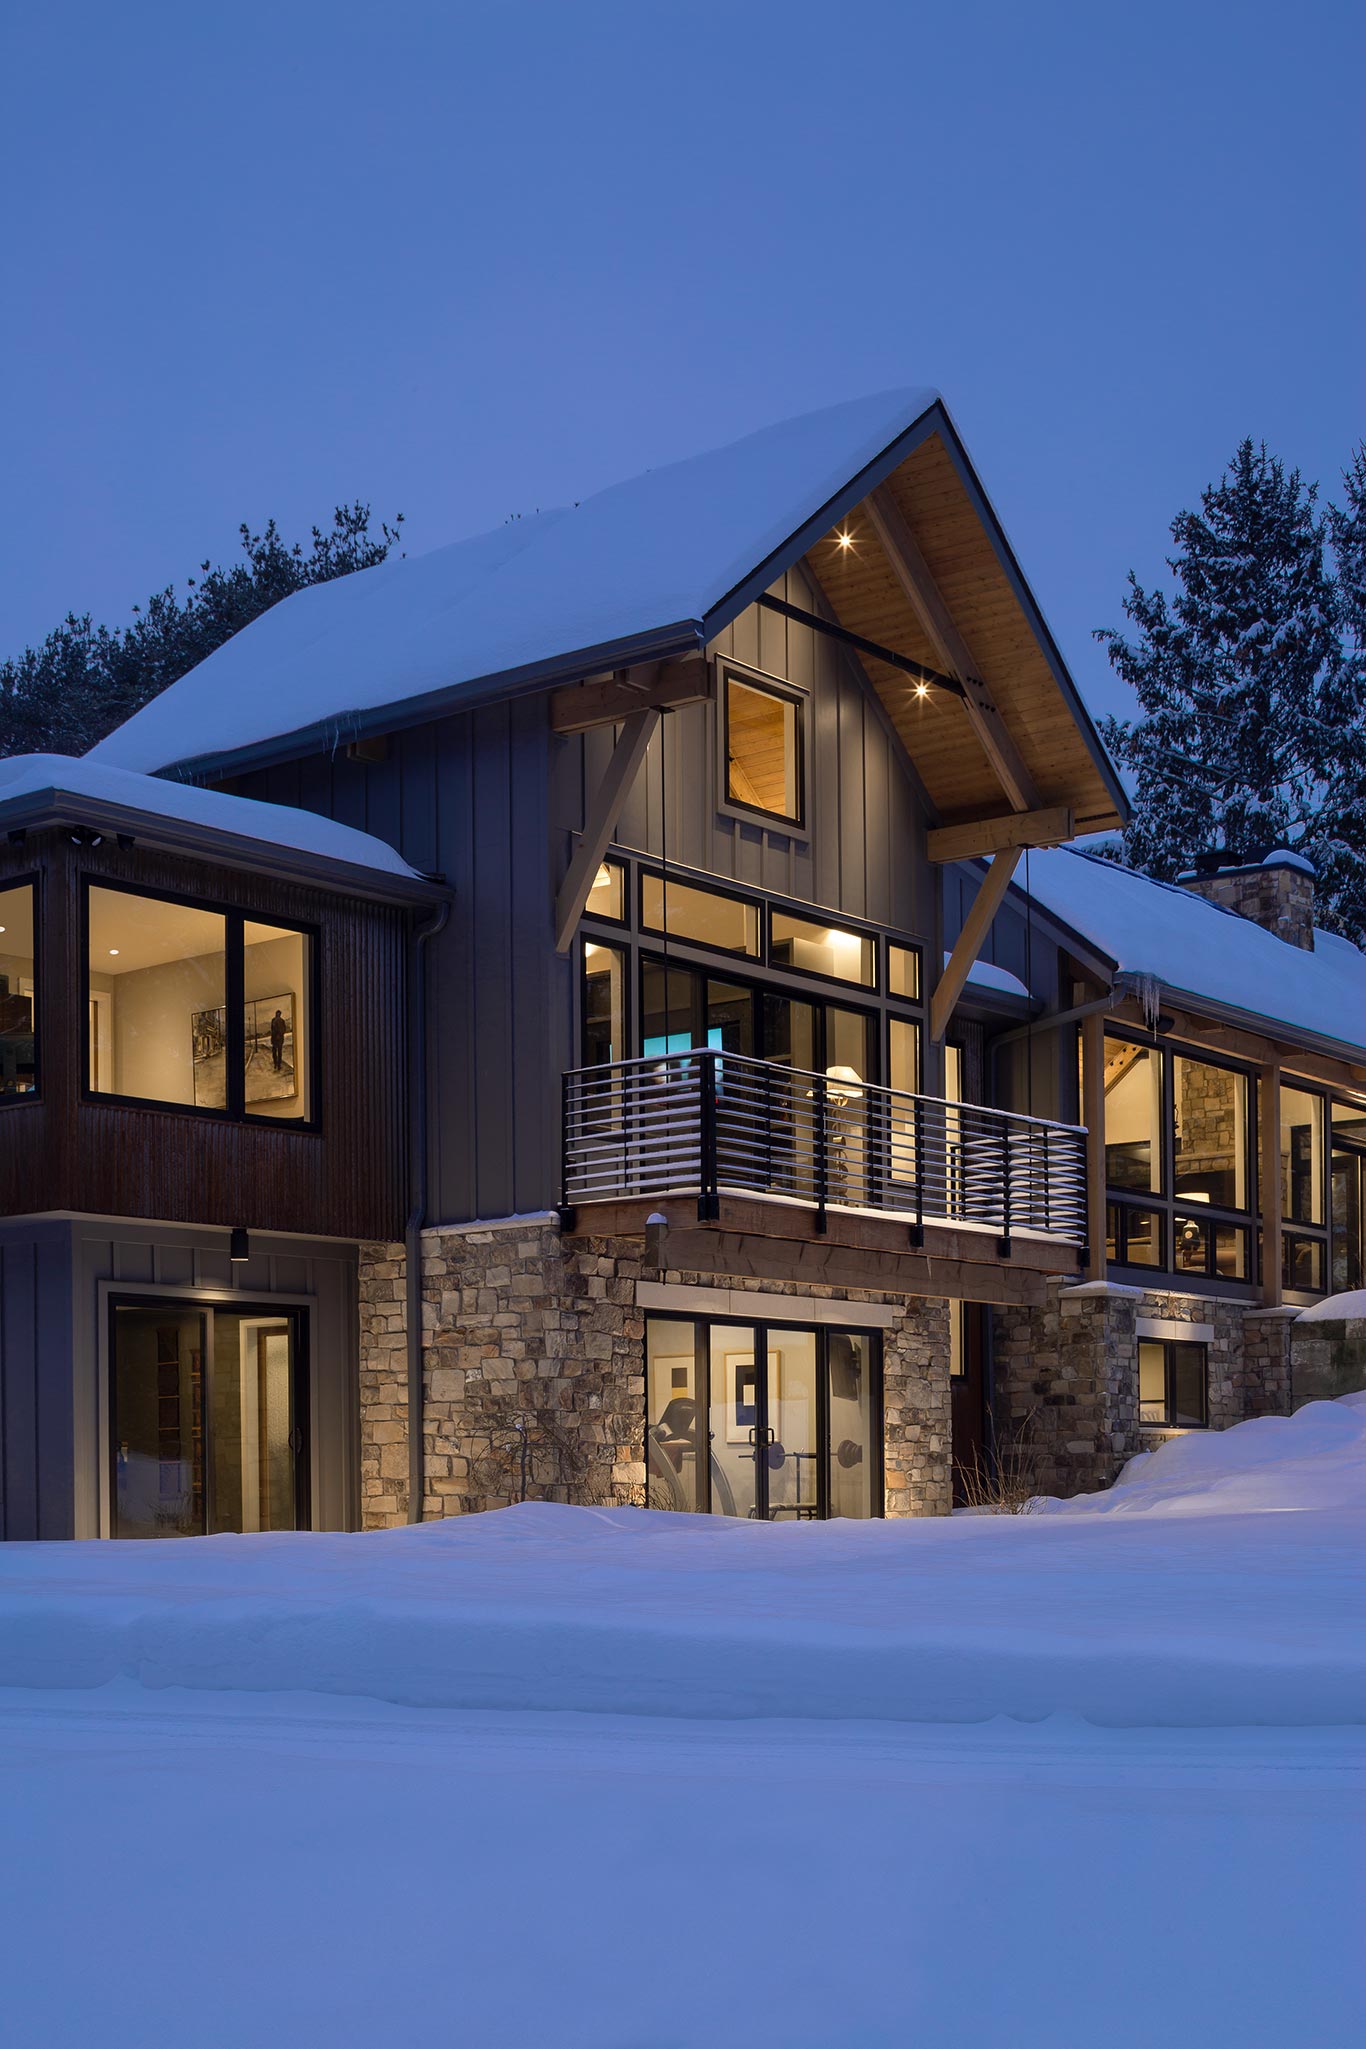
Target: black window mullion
{"points": [[234, 998], [206, 1327], [701, 1337]]}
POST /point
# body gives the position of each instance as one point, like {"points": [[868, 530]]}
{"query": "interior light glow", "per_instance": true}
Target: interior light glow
{"points": [[112, 952], [603, 878]]}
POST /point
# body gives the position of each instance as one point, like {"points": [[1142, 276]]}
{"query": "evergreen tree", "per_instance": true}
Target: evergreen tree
{"points": [[1248, 708], [1338, 842], [84, 680]]}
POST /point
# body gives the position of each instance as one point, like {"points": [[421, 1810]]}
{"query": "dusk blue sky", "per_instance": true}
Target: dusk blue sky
{"points": [[467, 261]]}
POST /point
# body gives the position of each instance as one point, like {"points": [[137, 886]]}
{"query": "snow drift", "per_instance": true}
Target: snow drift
{"points": [[1220, 1584]]}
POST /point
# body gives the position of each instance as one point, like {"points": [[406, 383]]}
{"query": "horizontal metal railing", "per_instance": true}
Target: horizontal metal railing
{"points": [[705, 1122]]}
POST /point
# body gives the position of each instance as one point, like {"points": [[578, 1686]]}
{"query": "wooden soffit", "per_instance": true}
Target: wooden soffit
{"points": [[989, 620]]}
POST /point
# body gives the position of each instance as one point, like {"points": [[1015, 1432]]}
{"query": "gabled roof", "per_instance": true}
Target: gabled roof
{"points": [[1220, 961], [43, 789], [650, 568]]}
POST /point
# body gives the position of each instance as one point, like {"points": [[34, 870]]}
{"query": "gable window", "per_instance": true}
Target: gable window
{"points": [[196, 1007], [763, 749], [18, 995], [1173, 1383]]}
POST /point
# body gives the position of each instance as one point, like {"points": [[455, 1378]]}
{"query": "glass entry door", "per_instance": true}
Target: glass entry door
{"points": [[760, 1420], [207, 1416]]}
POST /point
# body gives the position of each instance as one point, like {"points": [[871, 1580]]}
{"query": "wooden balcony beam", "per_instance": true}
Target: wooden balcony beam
{"points": [[1047, 828], [912, 572], [607, 700], [632, 744], [977, 924]]}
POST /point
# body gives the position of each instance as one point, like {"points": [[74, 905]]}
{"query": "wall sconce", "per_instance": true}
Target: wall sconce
{"points": [[239, 1246]]}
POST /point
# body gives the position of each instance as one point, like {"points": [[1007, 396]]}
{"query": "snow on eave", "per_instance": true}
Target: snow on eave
{"points": [[44, 789]]}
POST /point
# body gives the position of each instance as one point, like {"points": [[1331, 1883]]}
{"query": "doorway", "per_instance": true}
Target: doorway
{"points": [[967, 1393], [208, 1418], [770, 1422]]}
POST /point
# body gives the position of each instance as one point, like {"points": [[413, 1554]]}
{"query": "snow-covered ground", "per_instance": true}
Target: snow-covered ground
{"points": [[562, 1776]]}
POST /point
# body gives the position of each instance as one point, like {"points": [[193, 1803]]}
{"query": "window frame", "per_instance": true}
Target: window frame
{"points": [[1169, 1421], [34, 880], [793, 825], [235, 919]]}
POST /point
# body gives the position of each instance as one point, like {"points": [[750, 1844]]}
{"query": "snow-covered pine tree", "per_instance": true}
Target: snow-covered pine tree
{"points": [[63, 697], [1337, 844], [1239, 677]]}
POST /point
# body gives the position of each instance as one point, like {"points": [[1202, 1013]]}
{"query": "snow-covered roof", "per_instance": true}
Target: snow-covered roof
{"points": [[636, 569], [1199, 949], [82, 791], [984, 974]]}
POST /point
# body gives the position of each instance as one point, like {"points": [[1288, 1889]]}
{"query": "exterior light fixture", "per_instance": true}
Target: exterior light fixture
{"points": [[845, 539], [239, 1246], [922, 689]]}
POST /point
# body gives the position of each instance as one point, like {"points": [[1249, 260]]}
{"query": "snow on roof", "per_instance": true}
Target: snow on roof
{"points": [[1336, 1308], [25, 778], [984, 974], [1192, 945], [662, 550]]}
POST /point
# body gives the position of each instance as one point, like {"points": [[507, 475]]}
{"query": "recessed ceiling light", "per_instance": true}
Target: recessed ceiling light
{"points": [[112, 951]]}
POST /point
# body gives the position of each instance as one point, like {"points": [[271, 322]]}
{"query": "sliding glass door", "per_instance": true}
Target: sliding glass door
{"points": [[207, 1419], [764, 1421]]}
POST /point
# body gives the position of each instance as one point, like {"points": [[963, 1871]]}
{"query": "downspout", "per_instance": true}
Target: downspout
{"points": [[417, 1214]]}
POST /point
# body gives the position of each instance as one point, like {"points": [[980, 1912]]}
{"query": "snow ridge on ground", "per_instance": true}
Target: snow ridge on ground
{"points": [[1221, 1584]]}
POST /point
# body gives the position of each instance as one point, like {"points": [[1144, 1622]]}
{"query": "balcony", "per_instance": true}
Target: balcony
{"points": [[710, 1126]]}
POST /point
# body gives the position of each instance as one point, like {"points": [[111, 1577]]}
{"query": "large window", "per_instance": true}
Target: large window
{"points": [[763, 748], [197, 1007], [705, 917], [1172, 1383], [18, 994], [762, 1421], [1301, 1156], [1211, 1125], [817, 948]]}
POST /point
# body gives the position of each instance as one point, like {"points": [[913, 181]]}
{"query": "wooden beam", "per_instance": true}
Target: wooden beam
{"points": [[1254, 1047], [992, 835], [607, 700], [636, 734], [1269, 1119], [1093, 1117], [976, 925], [912, 572]]}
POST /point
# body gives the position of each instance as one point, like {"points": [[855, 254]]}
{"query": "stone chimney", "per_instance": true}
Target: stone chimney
{"points": [[1277, 892]]}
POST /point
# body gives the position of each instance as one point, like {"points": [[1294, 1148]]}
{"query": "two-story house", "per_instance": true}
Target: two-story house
{"points": [[656, 1034]]}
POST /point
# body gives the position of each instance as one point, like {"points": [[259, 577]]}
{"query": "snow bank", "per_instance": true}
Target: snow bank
{"points": [[1313, 1460], [1348, 1307], [1176, 1599]]}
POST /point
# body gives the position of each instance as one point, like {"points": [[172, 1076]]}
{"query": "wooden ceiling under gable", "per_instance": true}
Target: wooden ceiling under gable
{"points": [[865, 594]]}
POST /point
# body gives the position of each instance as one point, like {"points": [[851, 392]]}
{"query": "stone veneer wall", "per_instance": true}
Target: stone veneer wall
{"points": [[533, 1352], [1067, 1374], [383, 1387]]}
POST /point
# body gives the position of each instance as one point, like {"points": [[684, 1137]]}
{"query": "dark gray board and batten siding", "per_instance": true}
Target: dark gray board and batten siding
{"points": [[491, 799]]}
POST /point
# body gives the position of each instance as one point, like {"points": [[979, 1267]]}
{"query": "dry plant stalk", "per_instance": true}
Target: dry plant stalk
{"points": [[1007, 1484]]}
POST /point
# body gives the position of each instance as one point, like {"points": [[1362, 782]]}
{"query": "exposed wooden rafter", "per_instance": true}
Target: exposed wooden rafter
{"points": [[632, 742], [990, 895], [912, 573], [1048, 828], [607, 700]]}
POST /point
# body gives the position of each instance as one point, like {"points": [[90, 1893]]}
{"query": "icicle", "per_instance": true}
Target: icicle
{"points": [[1147, 993]]}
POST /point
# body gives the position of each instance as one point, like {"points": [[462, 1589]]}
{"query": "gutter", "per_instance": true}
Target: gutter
{"points": [[417, 1214]]}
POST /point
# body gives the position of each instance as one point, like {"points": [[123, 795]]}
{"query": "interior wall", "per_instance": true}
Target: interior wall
{"points": [[153, 1009]]}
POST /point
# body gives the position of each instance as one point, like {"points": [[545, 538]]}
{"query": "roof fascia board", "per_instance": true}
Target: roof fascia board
{"points": [[1005, 555], [853, 493], [324, 736], [55, 807], [1263, 1026]]}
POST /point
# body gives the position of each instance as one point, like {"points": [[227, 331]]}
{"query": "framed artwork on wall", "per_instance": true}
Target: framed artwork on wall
{"points": [[742, 1393], [270, 1064]]}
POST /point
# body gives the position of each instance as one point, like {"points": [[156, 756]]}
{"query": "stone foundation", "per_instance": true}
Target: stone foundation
{"points": [[533, 1356], [1067, 1374]]}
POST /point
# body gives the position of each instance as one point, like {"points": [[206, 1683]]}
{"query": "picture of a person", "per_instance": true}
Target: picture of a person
{"points": [[278, 1028]]}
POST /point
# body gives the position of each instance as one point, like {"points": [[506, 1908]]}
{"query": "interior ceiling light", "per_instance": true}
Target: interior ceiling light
{"points": [[113, 951]]}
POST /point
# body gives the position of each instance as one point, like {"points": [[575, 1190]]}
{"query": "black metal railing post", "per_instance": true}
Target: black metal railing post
{"points": [[917, 1233], [1003, 1242], [567, 1218], [822, 1152], [708, 1197]]}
